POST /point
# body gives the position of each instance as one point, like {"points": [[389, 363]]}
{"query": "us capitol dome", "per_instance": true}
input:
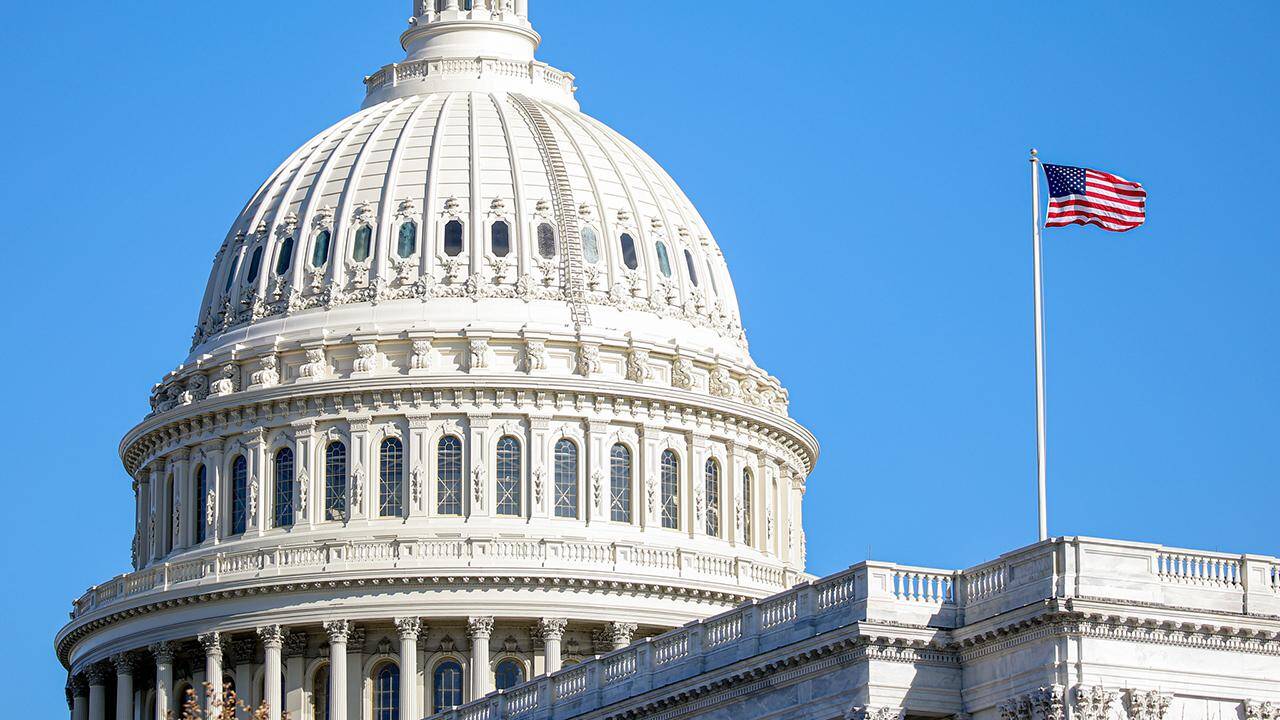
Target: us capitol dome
{"points": [[468, 399]]}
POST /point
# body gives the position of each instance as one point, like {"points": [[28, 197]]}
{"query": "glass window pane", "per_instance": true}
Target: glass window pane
{"points": [[239, 495], [453, 238], [285, 260], [447, 682], [231, 276], [255, 264], [670, 490], [508, 478], [546, 241], [664, 261], [590, 245], [408, 243], [449, 476], [391, 484], [693, 271], [198, 503], [629, 252], [335, 481], [386, 693], [364, 239], [713, 497], [566, 479], [508, 674], [620, 484], [501, 236], [320, 255], [284, 488], [746, 507]]}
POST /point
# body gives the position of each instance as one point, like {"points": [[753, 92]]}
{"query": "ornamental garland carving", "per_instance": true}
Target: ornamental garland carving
{"points": [[539, 477], [253, 499], [357, 488], [415, 486], [304, 491], [211, 509], [477, 486], [597, 490]]}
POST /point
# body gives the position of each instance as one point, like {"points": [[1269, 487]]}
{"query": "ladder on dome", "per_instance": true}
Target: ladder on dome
{"points": [[575, 286]]}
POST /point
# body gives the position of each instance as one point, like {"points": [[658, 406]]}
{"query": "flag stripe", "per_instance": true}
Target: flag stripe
{"points": [[1082, 196]]}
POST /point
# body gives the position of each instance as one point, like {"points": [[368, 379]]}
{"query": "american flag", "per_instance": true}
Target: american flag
{"points": [[1080, 196]]}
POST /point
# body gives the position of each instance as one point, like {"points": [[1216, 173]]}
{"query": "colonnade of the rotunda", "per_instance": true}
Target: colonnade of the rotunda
{"points": [[401, 667]]}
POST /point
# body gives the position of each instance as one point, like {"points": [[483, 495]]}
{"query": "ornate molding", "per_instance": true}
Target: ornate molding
{"points": [[865, 712], [479, 628], [1147, 704]]}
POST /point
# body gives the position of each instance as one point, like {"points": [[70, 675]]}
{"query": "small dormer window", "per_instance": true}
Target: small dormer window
{"points": [[255, 264], [693, 271], [285, 260], [664, 261], [500, 239], [231, 276], [453, 238], [408, 242], [590, 245], [364, 239], [629, 252], [320, 254], [711, 275], [546, 241]]}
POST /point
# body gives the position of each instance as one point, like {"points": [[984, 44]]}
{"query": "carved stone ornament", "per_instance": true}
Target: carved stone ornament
{"points": [[722, 384], [211, 509], [253, 499], [367, 360], [865, 712], [1147, 704], [415, 486], [1261, 710], [228, 377], [268, 372], [638, 365], [421, 359], [316, 367], [550, 628], [478, 354], [1092, 702], [295, 644], [212, 644], [272, 636], [597, 489], [357, 488], [304, 491], [539, 478], [620, 633], [682, 373], [479, 627], [535, 355], [588, 359], [408, 627], [477, 486], [1046, 703], [337, 630]]}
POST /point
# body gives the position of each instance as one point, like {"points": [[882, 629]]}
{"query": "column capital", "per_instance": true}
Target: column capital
{"points": [[867, 712], [127, 663], [479, 627], [408, 627], [98, 674], [212, 644], [272, 636], [338, 631], [551, 628], [78, 685], [164, 652]]}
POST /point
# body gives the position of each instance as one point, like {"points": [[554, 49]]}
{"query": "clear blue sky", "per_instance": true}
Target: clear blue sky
{"points": [[863, 165]]}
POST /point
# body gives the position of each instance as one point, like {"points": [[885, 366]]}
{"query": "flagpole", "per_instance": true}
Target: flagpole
{"points": [[1041, 454]]}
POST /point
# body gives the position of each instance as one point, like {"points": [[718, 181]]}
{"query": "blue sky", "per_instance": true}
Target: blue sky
{"points": [[863, 165]]}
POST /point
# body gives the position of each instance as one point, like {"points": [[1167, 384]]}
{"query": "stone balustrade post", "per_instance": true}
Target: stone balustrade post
{"points": [[164, 653], [338, 631], [479, 629], [126, 666], [1259, 596], [272, 637], [408, 629]]}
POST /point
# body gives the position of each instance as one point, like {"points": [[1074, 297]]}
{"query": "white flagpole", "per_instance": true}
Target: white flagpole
{"points": [[1041, 454]]}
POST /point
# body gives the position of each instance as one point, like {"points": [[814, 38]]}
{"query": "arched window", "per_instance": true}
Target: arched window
{"points": [[320, 253], [285, 260], [546, 241], [566, 479], [239, 495], [453, 238], [746, 507], [507, 675], [335, 481], [620, 483], [284, 488], [711, 275], [590, 245], [408, 242], [449, 476], [320, 694], [255, 264], [670, 490], [713, 497], [198, 504], [167, 513], [508, 477], [447, 682], [390, 487], [664, 260], [386, 693], [231, 276], [629, 252], [363, 242], [693, 271], [500, 238]]}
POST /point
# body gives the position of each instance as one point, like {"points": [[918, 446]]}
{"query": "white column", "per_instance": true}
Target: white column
{"points": [[362, 501], [125, 666], [293, 694], [479, 629], [552, 632], [257, 486], [212, 644], [408, 627], [620, 634], [355, 683], [418, 469], [304, 475], [97, 676], [164, 652], [155, 528], [79, 698], [338, 631], [272, 637], [480, 496]]}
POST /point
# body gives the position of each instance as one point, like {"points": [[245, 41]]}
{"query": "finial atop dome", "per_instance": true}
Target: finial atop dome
{"points": [[470, 45]]}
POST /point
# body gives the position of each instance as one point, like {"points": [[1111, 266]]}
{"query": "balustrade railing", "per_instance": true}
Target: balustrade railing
{"points": [[924, 586], [1198, 569], [536, 73]]}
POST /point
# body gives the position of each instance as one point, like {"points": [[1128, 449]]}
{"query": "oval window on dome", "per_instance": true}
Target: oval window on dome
{"points": [[286, 256], [320, 255], [500, 239], [693, 271], [231, 276], [453, 238], [629, 252], [664, 261], [590, 245], [546, 241], [408, 243], [711, 275], [364, 239], [255, 264]]}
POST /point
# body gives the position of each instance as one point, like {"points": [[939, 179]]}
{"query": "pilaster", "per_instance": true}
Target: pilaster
{"points": [[418, 465]]}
